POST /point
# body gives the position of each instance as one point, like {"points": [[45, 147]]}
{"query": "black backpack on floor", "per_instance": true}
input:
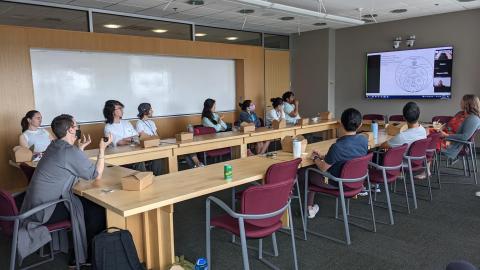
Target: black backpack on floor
{"points": [[114, 251]]}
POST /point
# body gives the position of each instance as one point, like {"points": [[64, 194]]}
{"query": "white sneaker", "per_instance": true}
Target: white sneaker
{"points": [[477, 193], [377, 188], [364, 192], [312, 211]]}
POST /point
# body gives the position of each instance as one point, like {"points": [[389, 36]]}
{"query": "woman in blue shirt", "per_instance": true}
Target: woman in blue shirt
{"points": [[210, 118], [248, 115]]}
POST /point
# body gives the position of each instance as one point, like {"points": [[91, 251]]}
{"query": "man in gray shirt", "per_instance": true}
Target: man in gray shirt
{"points": [[62, 165]]}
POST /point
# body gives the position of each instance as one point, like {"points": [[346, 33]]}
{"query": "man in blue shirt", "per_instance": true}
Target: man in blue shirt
{"points": [[347, 147]]}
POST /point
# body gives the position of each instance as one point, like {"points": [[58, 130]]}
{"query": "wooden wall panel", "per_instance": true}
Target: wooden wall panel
{"points": [[277, 74], [16, 87]]}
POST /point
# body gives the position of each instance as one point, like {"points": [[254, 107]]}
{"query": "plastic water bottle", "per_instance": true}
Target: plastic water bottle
{"points": [[201, 264], [190, 128], [297, 148], [375, 129]]}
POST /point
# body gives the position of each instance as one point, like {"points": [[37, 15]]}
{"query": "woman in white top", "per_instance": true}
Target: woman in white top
{"points": [[122, 131], [32, 134], [210, 118], [147, 127], [276, 113]]}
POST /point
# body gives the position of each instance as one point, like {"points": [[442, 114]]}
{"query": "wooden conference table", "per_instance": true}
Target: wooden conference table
{"points": [[170, 149]]}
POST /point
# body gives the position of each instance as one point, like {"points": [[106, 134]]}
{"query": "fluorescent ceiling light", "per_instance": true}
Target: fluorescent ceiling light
{"points": [[303, 12], [200, 34], [160, 31], [231, 38], [112, 26]]}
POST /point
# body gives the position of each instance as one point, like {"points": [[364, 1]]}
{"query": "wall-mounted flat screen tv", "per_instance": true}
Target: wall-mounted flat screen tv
{"points": [[418, 73]]}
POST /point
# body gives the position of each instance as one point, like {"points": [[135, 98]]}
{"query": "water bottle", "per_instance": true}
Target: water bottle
{"points": [[297, 148], [375, 129], [190, 128], [201, 264]]}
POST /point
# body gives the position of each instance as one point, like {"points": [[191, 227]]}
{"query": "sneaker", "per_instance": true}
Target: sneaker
{"points": [[377, 188], [312, 211], [364, 192], [477, 193]]}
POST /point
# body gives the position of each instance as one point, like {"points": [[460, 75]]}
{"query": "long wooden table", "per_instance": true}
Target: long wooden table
{"points": [[148, 214]]}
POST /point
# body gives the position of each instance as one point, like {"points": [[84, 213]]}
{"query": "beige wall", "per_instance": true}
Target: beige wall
{"points": [[16, 88], [310, 70]]}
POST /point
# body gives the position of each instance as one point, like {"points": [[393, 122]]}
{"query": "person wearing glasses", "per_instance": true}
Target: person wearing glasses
{"points": [[63, 163], [122, 131]]}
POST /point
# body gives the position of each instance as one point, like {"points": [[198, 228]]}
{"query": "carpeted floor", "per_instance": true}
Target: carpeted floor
{"points": [[436, 233]]}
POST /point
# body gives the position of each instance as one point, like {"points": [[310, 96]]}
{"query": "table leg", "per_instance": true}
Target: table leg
{"points": [[172, 164], [152, 234]]}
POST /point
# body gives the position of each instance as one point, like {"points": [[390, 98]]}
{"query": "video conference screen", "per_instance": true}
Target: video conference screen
{"points": [[419, 73]]}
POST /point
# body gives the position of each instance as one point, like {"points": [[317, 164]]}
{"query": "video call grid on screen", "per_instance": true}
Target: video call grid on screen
{"points": [[409, 74]]}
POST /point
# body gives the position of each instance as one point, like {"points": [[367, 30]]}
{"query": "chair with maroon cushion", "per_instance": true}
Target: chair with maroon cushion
{"points": [[396, 118], [442, 119], [432, 154], [468, 154], [389, 172], [258, 217], [416, 161], [376, 117], [27, 171], [350, 183], [280, 172], [212, 153], [10, 220]]}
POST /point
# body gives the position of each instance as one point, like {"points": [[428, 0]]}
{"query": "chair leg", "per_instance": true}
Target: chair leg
{"points": [[207, 233], [294, 249], [205, 158], [305, 208], [13, 254], [389, 203], [301, 208], [406, 190], [371, 204], [464, 166], [345, 216], [474, 164], [336, 208], [415, 205], [260, 248], [233, 208], [243, 240], [437, 164], [274, 243]]}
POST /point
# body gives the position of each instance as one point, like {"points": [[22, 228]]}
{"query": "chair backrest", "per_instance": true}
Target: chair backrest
{"points": [[394, 157], [203, 130], [7, 208], [377, 117], [27, 171], [396, 117], [475, 134], [418, 149], [265, 199], [283, 171], [435, 138], [442, 119], [355, 168]]}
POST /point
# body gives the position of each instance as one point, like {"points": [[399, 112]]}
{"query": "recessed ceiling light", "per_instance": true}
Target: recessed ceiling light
{"points": [[159, 31], [112, 26], [367, 16], [465, 1], [231, 38], [320, 24], [288, 18], [246, 11], [200, 34], [368, 20], [399, 10], [195, 2]]}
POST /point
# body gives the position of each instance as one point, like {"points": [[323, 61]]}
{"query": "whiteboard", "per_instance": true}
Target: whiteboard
{"points": [[79, 83]]}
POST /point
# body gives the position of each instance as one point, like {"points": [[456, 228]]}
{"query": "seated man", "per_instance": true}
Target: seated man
{"points": [[415, 131], [347, 147], [56, 174]]}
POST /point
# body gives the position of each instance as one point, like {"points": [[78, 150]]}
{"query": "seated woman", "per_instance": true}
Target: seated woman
{"points": [[56, 174], [122, 131], [210, 118], [248, 115], [146, 127], [471, 108], [276, 113], [33, 135]]}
